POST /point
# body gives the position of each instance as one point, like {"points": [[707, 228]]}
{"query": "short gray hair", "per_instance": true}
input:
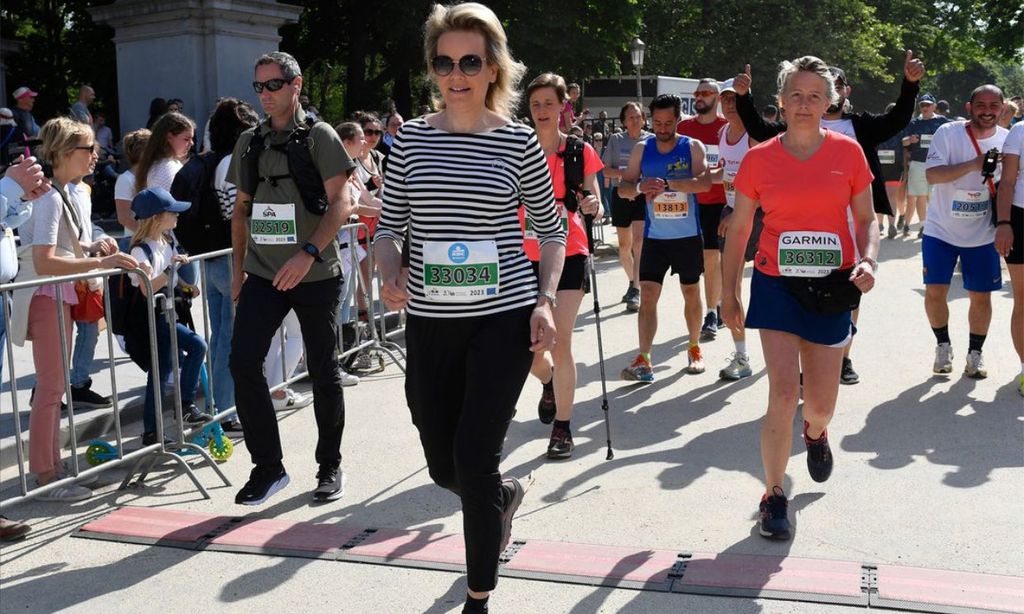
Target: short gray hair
{"points": [[289, 66], [811, 64]]}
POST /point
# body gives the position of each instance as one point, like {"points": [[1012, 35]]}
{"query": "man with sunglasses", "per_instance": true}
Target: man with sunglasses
{"points": [[705, 126], [869, 130], [286, 258]]}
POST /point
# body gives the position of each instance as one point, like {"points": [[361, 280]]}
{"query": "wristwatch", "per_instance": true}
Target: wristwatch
{"points": [[551, 298], [313, 251]]}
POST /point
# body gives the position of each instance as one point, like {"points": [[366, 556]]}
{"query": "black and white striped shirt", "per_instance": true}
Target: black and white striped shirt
{"points": [[468, 187]]}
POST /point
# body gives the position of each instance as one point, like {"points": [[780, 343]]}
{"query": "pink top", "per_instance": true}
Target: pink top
{"points": [[561, 116]]}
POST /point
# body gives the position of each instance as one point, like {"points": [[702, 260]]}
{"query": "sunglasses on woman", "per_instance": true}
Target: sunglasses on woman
{"points": [[271, 84], [470, 65], [373, 132]]}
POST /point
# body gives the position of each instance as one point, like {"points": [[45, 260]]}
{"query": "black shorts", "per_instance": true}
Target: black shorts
{"points": [[684, 256], [709, 218], [755, 235], [625, 212], [1017, 223], [574, 273]]}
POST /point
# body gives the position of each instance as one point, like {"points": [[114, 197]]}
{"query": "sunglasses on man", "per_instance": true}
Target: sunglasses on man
{"points": [[469, 65], [271, 84]]}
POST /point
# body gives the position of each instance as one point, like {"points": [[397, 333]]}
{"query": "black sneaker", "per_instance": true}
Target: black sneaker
{"points": [[330, 483], [515, 492], [560, 445], [819, 456], [774, 522], [546, 406], [86, 398], [709, 331], [633, 299], [263, 483], [193, 415], [231, 426], [848, 375], [718, 314], [149, 439]]}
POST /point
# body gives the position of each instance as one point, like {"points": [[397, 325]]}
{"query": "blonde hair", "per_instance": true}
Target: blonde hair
{"points": [[60, 136], [134, 143], [811, 64], [148, 229], [502, 95]]}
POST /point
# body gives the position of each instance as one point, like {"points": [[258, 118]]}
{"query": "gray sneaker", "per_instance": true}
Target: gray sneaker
{"points": [[975, 367], [633, 299], [66, 494], [943, 359], [738, 367]]}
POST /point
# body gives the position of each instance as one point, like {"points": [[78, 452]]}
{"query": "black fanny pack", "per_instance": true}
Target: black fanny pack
{"points": [[828, 295]]}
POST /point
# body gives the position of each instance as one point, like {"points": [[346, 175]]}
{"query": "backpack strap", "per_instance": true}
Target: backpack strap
{"points": [[572, 158]]}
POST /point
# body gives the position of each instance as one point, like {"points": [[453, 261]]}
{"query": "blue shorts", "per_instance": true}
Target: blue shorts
{"points": [[773, 307], [979, 266]]}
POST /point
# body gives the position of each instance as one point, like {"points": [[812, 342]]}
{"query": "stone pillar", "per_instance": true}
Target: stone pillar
{"points": [[195, 50]]}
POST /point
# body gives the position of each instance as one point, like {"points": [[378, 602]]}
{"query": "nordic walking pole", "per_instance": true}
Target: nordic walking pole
{"points": [[589, 219]]}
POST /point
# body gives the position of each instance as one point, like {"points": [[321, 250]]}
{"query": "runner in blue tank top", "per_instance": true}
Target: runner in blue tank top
{"points": [[673, 171]]}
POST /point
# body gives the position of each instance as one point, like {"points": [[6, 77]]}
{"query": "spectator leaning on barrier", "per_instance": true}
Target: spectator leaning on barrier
{"points": [[53, 244], [284, 234]]}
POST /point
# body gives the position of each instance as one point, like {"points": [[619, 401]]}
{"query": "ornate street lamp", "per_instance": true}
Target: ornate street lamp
{"points": [[636, 53]]}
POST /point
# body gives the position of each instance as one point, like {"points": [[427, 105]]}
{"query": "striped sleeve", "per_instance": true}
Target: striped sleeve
{"points": [[394, 216], [538, 195]]}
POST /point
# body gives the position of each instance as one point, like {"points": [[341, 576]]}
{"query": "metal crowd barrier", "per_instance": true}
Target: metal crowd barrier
{"points": [[150, 453], [379, 335]]}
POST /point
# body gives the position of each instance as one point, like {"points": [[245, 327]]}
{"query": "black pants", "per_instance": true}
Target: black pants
{"points": [[463, 380], [260, 311]]}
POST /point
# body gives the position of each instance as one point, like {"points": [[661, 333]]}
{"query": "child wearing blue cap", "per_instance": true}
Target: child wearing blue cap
{"points": [[153, 247]]}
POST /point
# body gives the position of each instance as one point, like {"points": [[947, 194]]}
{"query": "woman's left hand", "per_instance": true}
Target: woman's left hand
{"points": [[591, 205], [542, 328], [863, 276]]}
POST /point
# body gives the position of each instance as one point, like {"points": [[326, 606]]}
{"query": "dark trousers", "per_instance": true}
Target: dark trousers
{"points": [[463, 380], [193, 347], [260, 311]]}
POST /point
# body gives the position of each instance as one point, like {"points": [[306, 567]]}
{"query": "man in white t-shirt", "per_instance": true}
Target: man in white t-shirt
{"points": [[958, 225], [1010, 234]]}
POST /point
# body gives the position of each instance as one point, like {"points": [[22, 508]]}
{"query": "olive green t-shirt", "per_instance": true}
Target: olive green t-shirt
{"points": [[279, 224]]}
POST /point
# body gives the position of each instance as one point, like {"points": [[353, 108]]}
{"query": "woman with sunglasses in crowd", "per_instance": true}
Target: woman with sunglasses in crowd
{"points": [[456, 179]]}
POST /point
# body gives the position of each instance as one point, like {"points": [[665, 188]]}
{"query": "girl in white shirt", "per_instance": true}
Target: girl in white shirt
{"points": [[165, 153]]}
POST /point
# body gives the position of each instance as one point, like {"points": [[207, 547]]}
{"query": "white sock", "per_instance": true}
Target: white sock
{"points": [[741, 347]]}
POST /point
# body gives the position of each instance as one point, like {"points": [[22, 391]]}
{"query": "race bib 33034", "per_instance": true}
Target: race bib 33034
{"points": [[461, 271]]}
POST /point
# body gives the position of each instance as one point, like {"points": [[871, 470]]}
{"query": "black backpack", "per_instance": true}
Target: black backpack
{"points": [[202, 228], [301, 167], [127, 316]]}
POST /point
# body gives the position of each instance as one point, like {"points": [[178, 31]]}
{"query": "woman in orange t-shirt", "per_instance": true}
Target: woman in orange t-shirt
{"points": [[545, 95], [808, 181]]}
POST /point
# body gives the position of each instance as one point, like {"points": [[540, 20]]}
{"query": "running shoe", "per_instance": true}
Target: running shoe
{"points": [[774, 521], [640, 371], [892, 232], [347, 379], [819, 456], [718, 316], [709, 331], [920, 232], [906, 231], [633, 299], [625, 297], [975, 367], [943, 359], [263, 483], [546, 406], [330, 483], [292, 400], [69, 493], [901, 223], [86, 398], [11, 530], [738, 367], [695, 360], [848, 376], [560, 445], [193, 415], [514, 492], [231, 425]]}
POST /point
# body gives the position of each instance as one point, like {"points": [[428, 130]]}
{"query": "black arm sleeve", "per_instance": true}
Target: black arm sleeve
{"points": [[875, 129], [756, 126]]}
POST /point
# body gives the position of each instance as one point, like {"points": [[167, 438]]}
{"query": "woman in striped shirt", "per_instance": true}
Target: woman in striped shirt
{"points": [[456, 179]]}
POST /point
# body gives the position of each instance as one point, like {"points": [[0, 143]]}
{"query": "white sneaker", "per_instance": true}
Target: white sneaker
{"points": [[975, 367], [66, 494], [943, 359], [292, 400], [347, 379]]}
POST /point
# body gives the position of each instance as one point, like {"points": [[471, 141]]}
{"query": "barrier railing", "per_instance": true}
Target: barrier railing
{"points": [[149, 453]]}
